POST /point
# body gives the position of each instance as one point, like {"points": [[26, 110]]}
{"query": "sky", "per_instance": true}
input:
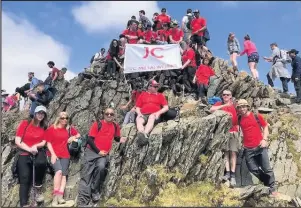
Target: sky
{"points": [[70, 33]]}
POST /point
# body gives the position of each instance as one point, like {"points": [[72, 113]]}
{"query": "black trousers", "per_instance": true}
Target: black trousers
{"points": [[188, 75], [25, 168], [111, 69], [284, 81], [297, 85]]}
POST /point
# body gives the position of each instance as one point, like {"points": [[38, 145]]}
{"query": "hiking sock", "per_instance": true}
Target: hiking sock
{"points": [[227, 174], [55, 192], [232, 174]]}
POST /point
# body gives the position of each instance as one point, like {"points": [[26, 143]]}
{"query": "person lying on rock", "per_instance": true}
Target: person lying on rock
{"points": [[96, 157], [255, 143], [201, 78], [58, 136], [150, 107], [232, 147], [30, 140]]}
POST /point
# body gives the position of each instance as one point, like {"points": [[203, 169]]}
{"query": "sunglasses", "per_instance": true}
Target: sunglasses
{"points": [[155, 86], [64, 118], [226, 94], [109, 114]]}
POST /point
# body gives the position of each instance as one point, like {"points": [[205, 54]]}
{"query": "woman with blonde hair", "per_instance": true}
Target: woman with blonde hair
{"points": [[233, 50], [58, 136]]}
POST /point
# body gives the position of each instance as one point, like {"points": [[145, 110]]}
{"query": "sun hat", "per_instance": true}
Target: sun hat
{"points": [[242, 102]]}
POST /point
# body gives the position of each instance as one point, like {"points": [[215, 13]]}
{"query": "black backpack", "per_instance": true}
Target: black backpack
{"points": [[92, 59], [188, 24]]}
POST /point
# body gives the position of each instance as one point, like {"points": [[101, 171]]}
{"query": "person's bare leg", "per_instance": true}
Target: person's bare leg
{"points": [[234, 61], [252, 69], [233, 161], [57, 180], [150, 124], [139, 122], [63, 184], [227, 161]]}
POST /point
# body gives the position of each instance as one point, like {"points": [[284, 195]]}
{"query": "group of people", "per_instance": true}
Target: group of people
{"points": [[41, 144]]}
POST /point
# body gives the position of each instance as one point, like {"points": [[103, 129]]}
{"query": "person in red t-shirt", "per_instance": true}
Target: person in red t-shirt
{"points": [[201, 78], [255, 142], [96, 157], [198, 26], [189, 67], [175, 33], [162, 18], [30, 140], [149, 108], [163, 35], [58, 136], [149, 35], [54, 72], [132, 34], [233, 142]]}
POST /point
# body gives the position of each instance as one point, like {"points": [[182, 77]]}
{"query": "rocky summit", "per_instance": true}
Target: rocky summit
{"points": [[183, 163]]}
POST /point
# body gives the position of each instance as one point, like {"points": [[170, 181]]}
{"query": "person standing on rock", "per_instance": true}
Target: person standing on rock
{"points": [[278, 67], [296, 75], [255, 143], [253, 57], [150, 108], [233, 50], [232, 146], [186, 23], [30, 139], [58, 136], [96, 157], [54, 73]]}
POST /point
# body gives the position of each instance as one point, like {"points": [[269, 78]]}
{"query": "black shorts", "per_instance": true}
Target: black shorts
{"points": [[254, 57], [61, 164], [146, 116], [195, 39], [233, 52]]}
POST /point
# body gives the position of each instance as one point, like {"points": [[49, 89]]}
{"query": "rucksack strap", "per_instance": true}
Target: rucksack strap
{"points": [[99, 125]]}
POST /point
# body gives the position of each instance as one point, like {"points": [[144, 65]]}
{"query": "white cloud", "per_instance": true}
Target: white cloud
{"points": [[229, 3], [25, 49], [99, 17]]}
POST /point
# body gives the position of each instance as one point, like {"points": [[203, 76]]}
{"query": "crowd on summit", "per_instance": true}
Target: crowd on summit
{"points": [[44, 146]]}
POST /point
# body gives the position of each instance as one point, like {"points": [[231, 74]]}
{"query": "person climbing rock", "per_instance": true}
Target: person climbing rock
{"points": [[233, 50], [30, 140], [112, 59], [232, 147], [201, 78], [253, 57], [296, 75], [255, 143], [96, 157], [278, 69], [150, 107], [54, 72], [58, 136]]}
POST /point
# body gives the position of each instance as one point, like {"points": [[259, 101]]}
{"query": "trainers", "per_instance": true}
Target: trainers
{"points": [[60, 199], [54, 202], [142, 140], [226, 177], [232, 182]]}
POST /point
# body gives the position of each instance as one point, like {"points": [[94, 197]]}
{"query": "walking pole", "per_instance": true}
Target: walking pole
{"points": [[33, 182]]}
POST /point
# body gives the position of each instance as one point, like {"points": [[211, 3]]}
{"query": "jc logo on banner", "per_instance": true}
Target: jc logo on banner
{"points": [[152, 52]]}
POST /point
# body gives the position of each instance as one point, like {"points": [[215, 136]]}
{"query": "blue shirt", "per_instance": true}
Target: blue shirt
{"points": [[33, 83]]}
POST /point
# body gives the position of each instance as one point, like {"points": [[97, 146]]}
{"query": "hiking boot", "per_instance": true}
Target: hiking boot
{"points": [[60, 199], [39, 196], [226, 177], [54, 202], [232, 182], [96, 197], [142, 140]]}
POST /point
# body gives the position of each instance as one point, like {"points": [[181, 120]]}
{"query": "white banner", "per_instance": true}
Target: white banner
{"points": [[143, 58]]}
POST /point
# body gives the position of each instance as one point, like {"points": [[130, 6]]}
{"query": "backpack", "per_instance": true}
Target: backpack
{"points": [[188, 24], [74, 147], [255, 113], [284, 56], [214, 100], [92, 59], [206, 35], [99, 125]]}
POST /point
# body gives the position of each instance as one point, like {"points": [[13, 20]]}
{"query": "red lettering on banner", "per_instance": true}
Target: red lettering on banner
{"points": [[152, 52]]}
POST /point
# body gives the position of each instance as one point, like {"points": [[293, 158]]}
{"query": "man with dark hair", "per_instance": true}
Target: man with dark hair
{"points": [[186, 22], [144, 20], [296, 75], [198, 26], [132, 20], [54, 73], [162, 18], [132, 33]]}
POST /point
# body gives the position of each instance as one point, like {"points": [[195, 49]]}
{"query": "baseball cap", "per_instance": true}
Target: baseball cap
{"points": [[293, 51], [196, 11], [40, 108], [242, 102]]}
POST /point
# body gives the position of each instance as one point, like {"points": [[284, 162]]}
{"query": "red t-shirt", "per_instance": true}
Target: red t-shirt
{"points": [[151, 102], [58, 138], [163, 35], [251, 130], [54, 71], [232, 111], [203, 74], [104, 138], [176, 33], [189, 54], [148, 35], [131, 33], [162, 18], [198, 23], [33, 134], [135, 95]]}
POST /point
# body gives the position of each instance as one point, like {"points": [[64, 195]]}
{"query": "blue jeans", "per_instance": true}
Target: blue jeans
{"points": [[129, 117], [258, 163]]}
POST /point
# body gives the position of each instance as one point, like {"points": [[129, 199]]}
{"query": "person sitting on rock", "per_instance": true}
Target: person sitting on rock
{"points": [[144, 20], [201, 78], [175, 33], [62, 73], [96, 157], [30, 139], [232, 147], [162, 18], [149, 108], [156, 22], [33, 82], [253, 56], [54, 72], [189, 67], [149, 35], [255, 143], [58, 136], [296, 75], [98, 61], [132, 33], [163, 35], [42, 97], [233, 50]]}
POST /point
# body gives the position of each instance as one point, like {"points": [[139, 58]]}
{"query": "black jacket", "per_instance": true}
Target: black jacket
{"points": [[296, 67]]}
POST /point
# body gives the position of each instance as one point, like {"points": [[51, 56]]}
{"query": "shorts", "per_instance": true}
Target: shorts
{"points": [[146, 116], [233, 52], [254, 57], [195, 39], [233, 142], [61, 164]]}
